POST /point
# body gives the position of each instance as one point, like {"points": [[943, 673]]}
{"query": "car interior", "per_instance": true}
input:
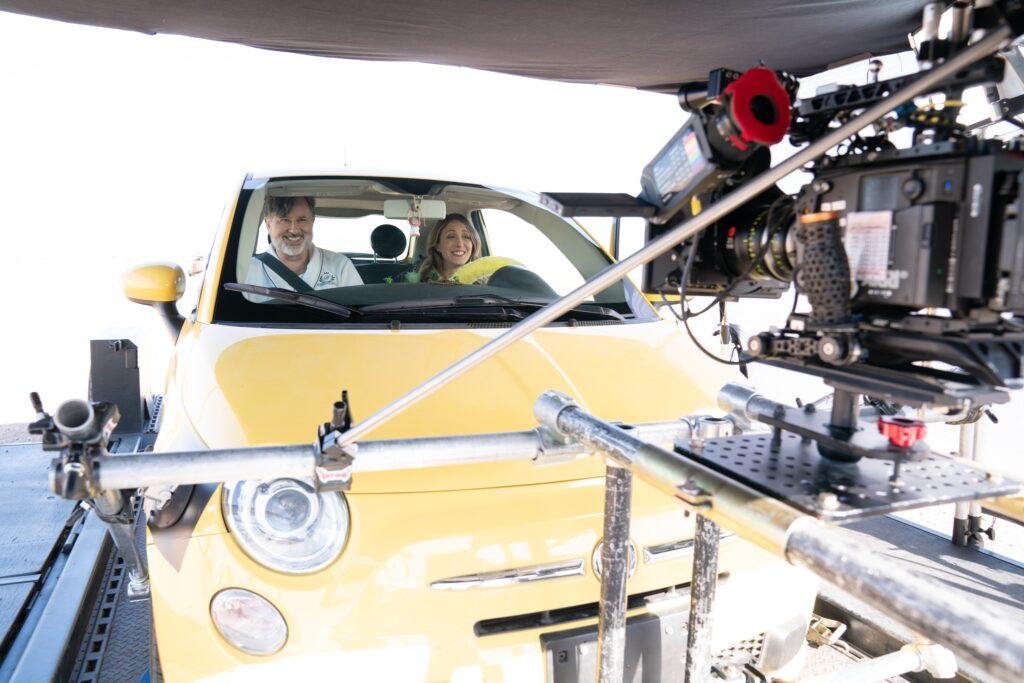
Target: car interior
{"points": [[384, 249]]}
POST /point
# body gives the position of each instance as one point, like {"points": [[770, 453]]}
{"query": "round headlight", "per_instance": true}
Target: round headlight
{"points": [[285, 525], [248, 621]]}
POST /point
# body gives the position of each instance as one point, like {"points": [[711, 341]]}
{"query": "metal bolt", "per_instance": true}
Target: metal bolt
{"points": [[690, 487], [828, 501]]}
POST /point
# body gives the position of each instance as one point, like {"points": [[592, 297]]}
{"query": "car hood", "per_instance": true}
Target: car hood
{"points": [[257, 386]]}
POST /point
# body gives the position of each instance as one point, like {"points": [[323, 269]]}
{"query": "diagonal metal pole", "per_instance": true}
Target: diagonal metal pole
{"points": [[615, 272]]}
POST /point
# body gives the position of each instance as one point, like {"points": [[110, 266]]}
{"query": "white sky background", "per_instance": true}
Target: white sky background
{"points": [[119, 148]]}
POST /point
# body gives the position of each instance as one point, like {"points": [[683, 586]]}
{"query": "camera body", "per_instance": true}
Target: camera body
{"points": [[931, 226]]}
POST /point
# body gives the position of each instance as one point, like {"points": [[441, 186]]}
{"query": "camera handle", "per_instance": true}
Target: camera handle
{"points": [[824, 274]]}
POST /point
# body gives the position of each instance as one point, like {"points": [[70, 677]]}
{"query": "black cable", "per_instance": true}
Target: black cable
{"points": [[796, 296], [686, 324], [687, 267], [685, 314]]}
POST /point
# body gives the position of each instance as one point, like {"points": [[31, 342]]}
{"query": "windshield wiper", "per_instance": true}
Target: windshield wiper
{"points": [[292, 297], [483, 300]]}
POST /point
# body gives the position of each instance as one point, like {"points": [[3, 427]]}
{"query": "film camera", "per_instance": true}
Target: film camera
{"points": [[905, 255], [911, 259]]}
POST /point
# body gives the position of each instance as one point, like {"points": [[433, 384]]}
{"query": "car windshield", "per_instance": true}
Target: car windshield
{"points": [[376, 250]]}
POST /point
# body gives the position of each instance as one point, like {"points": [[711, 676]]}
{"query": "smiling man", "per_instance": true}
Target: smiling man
{"points": [[292, 261]]}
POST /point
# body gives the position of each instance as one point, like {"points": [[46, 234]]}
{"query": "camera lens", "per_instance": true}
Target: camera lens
{"points": [[750, 248]]}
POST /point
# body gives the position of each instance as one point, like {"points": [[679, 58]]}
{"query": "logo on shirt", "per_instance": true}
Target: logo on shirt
{"points": [[327, 277]]}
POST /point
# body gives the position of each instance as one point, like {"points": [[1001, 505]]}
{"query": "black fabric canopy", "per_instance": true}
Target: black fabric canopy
{"points": [[653, 44]]}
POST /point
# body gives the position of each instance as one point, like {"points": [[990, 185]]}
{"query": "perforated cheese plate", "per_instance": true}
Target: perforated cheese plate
{"points": [[797, 474]]}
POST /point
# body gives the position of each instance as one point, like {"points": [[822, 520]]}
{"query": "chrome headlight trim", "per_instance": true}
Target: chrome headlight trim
{"points": [[285, 525]]}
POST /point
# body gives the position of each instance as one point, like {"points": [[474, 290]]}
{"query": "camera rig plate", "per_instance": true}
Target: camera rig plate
{"points": [[796, 473]]}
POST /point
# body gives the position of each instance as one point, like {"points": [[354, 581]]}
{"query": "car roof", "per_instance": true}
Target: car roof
{"points": [[278, 174]]}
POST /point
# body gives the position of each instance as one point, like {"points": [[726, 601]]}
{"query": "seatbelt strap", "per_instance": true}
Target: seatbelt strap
{"points": [[282, 271]]}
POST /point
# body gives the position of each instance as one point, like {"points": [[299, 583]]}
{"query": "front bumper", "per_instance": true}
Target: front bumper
{"points": [[373, 613]]}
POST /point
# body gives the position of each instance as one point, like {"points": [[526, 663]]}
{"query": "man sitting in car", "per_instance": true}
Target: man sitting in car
{"points": [[292, 261]]}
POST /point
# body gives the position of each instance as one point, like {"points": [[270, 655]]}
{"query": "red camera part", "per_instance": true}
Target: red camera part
{"points": [[758, 106], [902, 432]]}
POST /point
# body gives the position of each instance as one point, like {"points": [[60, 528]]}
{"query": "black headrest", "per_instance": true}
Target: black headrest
{"points": [[388, 241]]}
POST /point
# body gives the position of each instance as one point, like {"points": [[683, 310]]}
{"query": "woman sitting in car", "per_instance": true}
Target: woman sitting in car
{"points": [[452, 244]]}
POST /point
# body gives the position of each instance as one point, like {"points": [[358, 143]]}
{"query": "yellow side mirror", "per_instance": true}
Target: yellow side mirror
{"points": [[158, 285], [154, 283]]}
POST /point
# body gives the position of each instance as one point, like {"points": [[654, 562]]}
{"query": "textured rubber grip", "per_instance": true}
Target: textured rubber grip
{"points": [[824, 273]]}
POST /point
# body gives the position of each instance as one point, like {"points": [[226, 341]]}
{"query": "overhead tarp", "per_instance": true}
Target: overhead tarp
{"points": [[655, 45]]}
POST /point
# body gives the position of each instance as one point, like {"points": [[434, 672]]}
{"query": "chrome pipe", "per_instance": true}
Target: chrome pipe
{"points": [[611, 624], [970, 629], [439, 451], [616, 271], [130, 472], [703, 581], [76, 420], [117, 472], [110, 508], [930, 19], [960, 28], [962, 508]]}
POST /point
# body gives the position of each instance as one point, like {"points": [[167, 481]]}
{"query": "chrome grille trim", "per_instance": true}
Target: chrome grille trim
{"points": [[510, 577], [676, 549]]}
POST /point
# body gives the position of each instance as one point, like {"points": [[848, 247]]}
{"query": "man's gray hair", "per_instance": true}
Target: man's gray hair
{"points": [[280, 206]]}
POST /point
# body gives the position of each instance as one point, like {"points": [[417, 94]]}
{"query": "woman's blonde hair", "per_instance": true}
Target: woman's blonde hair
{"points": [[433, 262]]}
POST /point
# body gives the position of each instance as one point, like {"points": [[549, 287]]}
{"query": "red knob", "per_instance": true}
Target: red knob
{"points": [[901, 431]]}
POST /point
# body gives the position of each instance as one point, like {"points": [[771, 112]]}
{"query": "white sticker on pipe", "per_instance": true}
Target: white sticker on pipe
{"points": [[867, 238]]}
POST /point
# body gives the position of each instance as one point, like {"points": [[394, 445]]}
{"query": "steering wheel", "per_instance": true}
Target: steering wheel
{"points": [[482, 268]]}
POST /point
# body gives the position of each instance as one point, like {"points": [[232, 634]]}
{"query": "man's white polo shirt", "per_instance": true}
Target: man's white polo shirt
{"points": [[326, 269]]}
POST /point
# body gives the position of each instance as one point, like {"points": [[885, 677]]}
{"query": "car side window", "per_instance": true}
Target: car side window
{"points": [[511, 236]]}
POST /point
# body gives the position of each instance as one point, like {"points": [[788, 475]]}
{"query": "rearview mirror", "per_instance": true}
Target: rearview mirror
{"points": [[422, 208], [158, 285]]}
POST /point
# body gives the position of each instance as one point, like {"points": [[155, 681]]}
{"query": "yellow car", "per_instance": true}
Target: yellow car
{"points": [[464, 573]]}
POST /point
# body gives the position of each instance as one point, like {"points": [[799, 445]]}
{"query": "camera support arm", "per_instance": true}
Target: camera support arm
{"points": [[931, 610], [565, 435], [746, 192]]}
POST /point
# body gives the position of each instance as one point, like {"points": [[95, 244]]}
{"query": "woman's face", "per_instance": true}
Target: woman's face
{"points": [[455, 245]]}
